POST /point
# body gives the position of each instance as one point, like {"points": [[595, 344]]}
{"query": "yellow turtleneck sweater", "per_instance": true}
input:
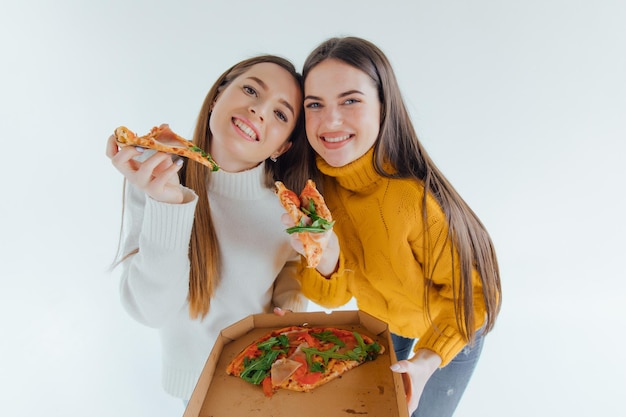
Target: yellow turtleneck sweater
{"points": [[380, 228]]}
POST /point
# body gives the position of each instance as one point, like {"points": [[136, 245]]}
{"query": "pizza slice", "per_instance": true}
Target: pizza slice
{"points": [[163, 139], [310, 214], [300, 358]]}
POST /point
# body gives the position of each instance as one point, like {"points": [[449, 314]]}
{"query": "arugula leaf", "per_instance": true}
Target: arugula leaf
{"points": [[326, 355], [366, 352], [280, 341], [256, 369], [328, 336], [205, 155], [316, 367], [361, 353], [318, 225]]}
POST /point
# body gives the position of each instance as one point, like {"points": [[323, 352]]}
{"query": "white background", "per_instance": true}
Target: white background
{"points": [[521, 103]]}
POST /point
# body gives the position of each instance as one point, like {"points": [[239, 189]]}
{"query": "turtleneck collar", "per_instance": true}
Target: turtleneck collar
{"points": [[247, 185], [355, 176]]}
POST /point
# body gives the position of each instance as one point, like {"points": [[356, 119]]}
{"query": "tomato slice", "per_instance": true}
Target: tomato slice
{"points": [[302, 374], [293, 197], [310, 378], [268, 390]]}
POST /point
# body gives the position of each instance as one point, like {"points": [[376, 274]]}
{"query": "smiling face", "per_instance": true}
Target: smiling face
{"points": [[342, 111], [253, 116]]}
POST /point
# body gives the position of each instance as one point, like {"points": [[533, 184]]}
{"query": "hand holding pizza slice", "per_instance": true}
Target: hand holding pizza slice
{"points": [[310, 215], [163, 139]]}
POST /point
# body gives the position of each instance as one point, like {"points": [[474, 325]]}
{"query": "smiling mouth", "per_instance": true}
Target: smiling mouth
{"points": [[336, 139], [246, 129]]}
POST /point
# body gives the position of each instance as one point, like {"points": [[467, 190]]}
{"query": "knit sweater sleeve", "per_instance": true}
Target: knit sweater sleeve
{"points": [[328, 292], [155, 278], [287, 292], [444, 336]]}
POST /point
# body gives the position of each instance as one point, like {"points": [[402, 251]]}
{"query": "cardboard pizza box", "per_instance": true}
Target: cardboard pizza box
{"points": [[370, 389]]}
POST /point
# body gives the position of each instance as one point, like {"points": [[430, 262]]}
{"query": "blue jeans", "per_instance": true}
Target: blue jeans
{"points": [[444, 389]]}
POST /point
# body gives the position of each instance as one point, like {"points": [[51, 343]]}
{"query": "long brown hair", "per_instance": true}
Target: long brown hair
{"points": [[398, 145], [204, 253]]}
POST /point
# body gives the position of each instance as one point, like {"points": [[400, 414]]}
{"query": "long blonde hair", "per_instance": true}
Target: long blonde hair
{"points": [[204, 253], [398, 144]]}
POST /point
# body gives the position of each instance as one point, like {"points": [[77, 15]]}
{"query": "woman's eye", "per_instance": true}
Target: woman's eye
{"points": [[281, 115], [249, 90], [351, 101], [312, 105]]}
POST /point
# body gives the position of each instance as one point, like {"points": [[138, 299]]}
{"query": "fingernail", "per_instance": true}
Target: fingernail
{"points": [[179, 162], [395, 367], [139, 149]]}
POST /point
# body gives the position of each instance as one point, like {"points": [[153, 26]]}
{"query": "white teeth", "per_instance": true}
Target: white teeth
{"points": [[337, 139], [246, 129]]}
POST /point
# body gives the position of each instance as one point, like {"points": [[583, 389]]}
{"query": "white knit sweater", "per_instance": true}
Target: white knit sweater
{"points": [[258, 268]]}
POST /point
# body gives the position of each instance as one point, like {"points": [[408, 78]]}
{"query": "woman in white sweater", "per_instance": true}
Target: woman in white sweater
{"points": [[203, 249]]}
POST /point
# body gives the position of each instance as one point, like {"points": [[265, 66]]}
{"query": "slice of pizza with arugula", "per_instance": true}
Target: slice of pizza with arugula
{"points": [[301, 358], [310, 214], [162, 138]]}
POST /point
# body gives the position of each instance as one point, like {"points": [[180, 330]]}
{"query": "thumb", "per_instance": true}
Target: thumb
{"points": [[400, 366]]}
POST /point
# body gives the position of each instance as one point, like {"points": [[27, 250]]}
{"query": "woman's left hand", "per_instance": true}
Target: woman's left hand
{"points": [[415, 374]]}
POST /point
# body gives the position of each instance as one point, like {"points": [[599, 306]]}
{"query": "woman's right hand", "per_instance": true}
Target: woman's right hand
{"points": [[328, 242], [157, 176]]}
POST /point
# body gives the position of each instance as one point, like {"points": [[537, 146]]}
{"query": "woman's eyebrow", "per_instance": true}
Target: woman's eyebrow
{"points": [[345, 93], [264, 87]]}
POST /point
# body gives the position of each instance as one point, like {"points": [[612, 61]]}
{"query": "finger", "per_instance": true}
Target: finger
{"points": [[161, 179], [163, 165], [321, 237], [296, 243], [147, 168], [280, 312], [286, 219], [111, 148], [124, 160], [400, 366]]}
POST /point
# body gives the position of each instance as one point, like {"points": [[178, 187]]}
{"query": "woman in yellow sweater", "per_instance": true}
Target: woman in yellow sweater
{"points": [[410, 250]]}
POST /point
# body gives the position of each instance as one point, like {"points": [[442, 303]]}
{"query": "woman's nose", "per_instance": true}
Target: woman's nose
{"points": [[257, 111], [332, 116]]}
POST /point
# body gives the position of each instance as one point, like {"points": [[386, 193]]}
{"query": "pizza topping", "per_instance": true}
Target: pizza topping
{"points": [[301, 358], [318, 224], [257, 368], [310, 215], [282, 369]]}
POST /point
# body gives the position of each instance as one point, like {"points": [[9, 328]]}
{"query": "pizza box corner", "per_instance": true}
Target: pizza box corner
{"points": [[369, 389]]}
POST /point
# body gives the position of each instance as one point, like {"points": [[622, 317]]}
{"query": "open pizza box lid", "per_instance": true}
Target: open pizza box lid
{"points": [[370, 389]]}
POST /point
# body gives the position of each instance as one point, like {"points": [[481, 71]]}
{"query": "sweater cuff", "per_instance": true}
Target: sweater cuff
{"points": [[170, 225], [328, 292], [445, 340]]}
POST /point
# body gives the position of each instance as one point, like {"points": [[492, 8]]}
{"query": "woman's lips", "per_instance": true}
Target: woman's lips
{"points": [[335, 138], [247, 130]]}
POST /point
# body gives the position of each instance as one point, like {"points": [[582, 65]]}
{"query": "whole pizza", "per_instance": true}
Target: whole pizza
{"points": [[301, 358]]}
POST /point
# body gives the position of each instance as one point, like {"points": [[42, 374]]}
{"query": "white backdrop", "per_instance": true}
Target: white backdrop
{"points": [[522, 104]]}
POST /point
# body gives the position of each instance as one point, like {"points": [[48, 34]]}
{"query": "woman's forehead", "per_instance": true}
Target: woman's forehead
{"points": [[273, 79]]}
